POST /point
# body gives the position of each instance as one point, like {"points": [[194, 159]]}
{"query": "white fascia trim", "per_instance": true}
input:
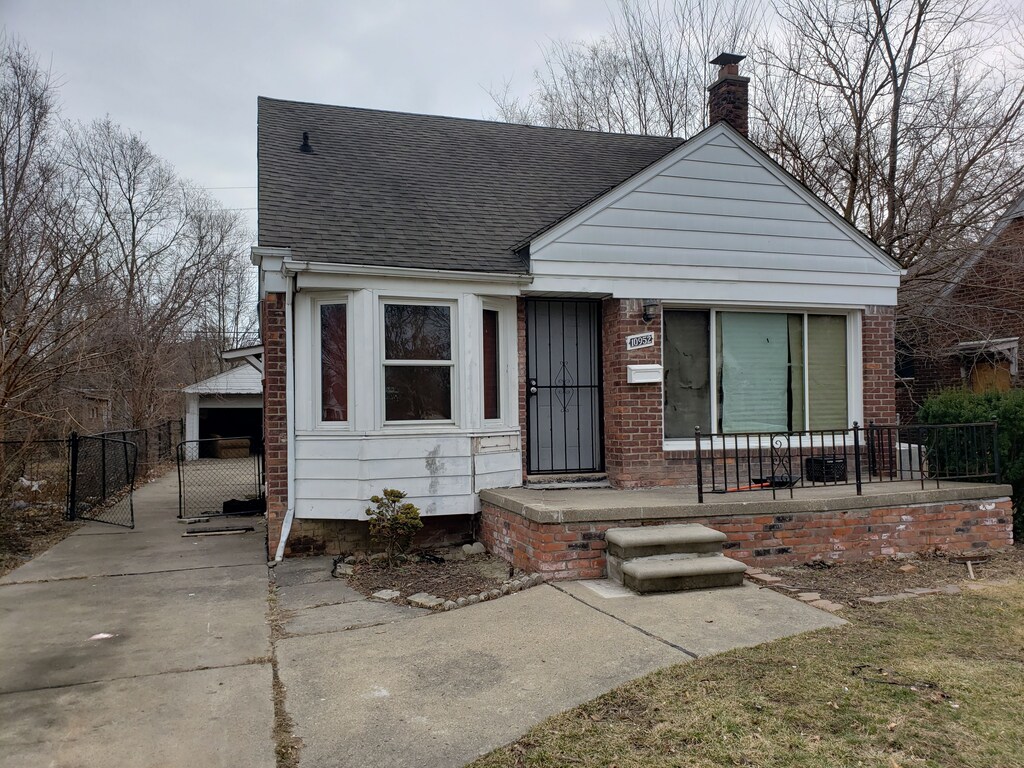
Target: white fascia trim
{"points": [[680, 152], [259, 252], [292, 266]]}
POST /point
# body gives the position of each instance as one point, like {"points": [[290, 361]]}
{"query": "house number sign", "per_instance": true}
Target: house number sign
{"points": [[639, 341]]}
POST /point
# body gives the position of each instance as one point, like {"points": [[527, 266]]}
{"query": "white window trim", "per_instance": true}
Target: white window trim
{"points": [[425, 425], [316, 370], [854, 363]]}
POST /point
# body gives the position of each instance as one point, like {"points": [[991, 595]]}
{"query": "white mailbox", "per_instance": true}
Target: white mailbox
{"points": [[643, 374]]}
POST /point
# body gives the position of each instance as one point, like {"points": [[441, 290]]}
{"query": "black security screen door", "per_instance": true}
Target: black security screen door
{"points": [[563, 364]]}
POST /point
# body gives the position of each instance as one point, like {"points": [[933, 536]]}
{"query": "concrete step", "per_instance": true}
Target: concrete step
{"points": [[648, 540], [676, 573]]}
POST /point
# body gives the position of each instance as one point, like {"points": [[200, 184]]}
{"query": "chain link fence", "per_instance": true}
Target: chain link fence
{"points": [[219, 477]]}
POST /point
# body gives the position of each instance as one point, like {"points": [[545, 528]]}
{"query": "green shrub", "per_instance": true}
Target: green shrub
{"points": [[957, 406], [392, 523]]}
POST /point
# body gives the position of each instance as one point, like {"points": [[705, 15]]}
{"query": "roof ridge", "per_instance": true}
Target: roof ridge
{"points": [[483, 121]]}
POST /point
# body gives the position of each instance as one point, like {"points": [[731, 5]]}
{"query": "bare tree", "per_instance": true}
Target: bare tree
{"points": [[166, 245], [647, 76], [49, 297]]}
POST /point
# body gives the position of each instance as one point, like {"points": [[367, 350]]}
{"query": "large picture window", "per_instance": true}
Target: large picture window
{"points": [[333, 362], [417, 362], [754, 372]]}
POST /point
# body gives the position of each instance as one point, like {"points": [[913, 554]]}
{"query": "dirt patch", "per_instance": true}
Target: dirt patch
{"points": [[847, 582], [28, 529], [450, 579]]}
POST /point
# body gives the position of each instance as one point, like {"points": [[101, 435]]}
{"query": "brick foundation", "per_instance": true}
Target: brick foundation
{"points": [[576, 550], [344, 537]]}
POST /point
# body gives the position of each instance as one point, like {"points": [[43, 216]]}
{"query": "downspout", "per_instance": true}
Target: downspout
{"points": [[289, 409]]}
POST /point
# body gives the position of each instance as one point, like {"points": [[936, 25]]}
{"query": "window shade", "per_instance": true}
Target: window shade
{"points": [[755, 371], [826, 371]]}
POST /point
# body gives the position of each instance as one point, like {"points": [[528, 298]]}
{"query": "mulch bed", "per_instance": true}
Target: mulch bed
{"points": [[449, 580], [847, 582], [28, 531]]}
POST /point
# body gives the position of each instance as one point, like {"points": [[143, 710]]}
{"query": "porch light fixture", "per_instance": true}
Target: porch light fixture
{"points": [[649, 306]]}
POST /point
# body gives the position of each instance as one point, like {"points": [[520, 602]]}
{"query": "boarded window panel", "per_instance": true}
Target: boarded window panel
{"points": [[687, 379], [755, 372], [827, 374], [492, 408], [333, 362]]}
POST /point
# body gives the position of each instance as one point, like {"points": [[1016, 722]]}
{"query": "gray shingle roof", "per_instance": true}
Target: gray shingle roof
{"points": [[396, 189]]}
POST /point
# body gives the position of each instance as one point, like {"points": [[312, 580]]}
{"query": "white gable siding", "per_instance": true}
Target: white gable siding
{"points": [[713, 222]]}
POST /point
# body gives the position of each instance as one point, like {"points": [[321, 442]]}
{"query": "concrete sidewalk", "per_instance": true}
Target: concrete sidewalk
{"points": [[375, 684], [185, 678]]}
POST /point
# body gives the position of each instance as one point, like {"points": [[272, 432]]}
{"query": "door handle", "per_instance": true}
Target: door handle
{"points": [[532, 385]]}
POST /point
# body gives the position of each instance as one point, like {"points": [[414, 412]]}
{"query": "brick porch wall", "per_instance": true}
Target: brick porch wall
{"points": [[275, 432], [576, 550]]}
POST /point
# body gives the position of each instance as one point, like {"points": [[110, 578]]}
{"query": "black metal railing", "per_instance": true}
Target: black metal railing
{"points": [[774, 461]]}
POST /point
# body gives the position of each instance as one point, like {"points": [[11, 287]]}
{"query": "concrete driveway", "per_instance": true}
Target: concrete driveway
{"points": [[185, 677]]}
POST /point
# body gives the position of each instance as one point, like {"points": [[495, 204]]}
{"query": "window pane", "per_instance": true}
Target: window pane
{"points": [[333, 363], [687, 379], [755, 372], [416, 332], [826, 371], [417, 393], [492, 409], [796, 373]]}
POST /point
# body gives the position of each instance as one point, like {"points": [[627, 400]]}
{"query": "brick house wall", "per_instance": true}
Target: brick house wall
{"points": [[633, 429], [275, 427], [985, 304]]}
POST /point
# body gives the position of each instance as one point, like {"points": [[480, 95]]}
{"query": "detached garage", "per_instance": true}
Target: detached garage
{"points": [[227, 405]]}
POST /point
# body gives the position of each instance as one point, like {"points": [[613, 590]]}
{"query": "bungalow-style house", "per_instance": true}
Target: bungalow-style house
{"points": [[453, 305], [968, 334]]}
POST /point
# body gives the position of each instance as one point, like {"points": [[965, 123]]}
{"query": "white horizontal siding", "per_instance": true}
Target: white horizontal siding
{"points": [[336, 475], [716, 222]]}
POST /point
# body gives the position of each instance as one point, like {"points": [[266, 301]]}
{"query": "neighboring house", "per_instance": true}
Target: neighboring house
{"points": [[968, 334], [449, 305], [228, 405]]}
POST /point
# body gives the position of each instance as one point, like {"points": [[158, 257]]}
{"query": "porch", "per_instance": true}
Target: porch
{"points": [[561, 532]]}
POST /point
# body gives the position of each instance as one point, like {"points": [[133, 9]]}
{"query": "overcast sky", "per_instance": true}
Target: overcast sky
{"points": [[186, 73]]}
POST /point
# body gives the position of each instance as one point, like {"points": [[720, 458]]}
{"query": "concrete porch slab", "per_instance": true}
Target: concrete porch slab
{"points": [[679, 503]]}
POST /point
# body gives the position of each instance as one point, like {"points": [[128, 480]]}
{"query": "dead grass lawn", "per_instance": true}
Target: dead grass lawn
{"points": [[937, 681]]}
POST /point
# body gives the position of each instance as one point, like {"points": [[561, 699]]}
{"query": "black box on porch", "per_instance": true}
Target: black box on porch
{"points": [[825, 469]]}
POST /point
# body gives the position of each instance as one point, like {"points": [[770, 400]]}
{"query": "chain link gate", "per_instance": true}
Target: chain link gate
{"points": [[219, 477], [102, 473]]}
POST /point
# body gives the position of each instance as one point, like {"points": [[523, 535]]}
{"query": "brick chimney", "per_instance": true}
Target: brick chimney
{"points": [[727, 96]]}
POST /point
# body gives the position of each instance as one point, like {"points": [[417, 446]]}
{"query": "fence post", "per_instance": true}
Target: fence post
{"points": [[856, 458], [103, 469], [995, 451], [72, 475], [700, 470]]}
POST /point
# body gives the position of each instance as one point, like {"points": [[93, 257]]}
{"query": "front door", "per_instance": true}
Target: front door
{"points": [[563, 364]]}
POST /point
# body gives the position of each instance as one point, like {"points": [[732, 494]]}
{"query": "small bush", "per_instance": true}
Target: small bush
{"points": [[392, 523], [953, 406]]}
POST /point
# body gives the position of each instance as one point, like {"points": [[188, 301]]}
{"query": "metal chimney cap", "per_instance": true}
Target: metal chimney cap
{"points": [[725, 59]]}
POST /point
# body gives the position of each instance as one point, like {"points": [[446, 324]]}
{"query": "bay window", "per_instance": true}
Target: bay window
{"points": [[754, 372], [418, 362]]}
